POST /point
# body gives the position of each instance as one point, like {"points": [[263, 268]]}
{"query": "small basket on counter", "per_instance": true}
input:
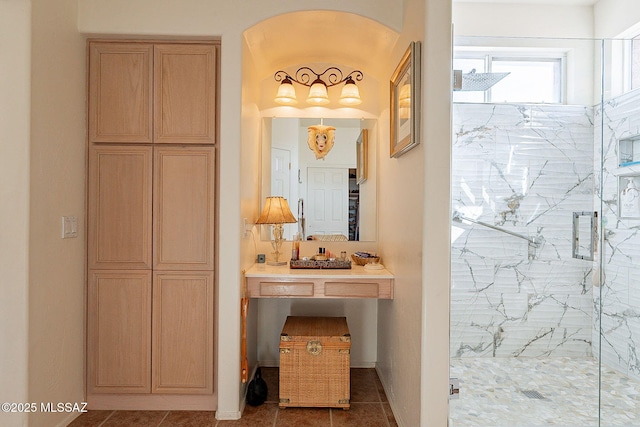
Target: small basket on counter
{"points": [[364, 258]]}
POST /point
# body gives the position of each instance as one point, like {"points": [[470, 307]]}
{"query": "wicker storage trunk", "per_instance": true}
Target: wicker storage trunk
{"points": [[314, 362]]}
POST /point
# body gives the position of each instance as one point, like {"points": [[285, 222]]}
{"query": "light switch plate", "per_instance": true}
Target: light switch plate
{"points": [[69, 227], [245, 227]]}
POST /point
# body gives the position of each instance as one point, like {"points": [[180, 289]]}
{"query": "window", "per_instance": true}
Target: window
{"points": [[530, 79], [635, 62]]}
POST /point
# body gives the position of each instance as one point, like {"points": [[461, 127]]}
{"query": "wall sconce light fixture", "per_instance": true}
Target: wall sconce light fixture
{"points": [[317, 87]]}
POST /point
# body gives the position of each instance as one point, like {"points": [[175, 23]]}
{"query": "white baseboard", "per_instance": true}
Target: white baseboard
{"points": [[68, 419], [228, 415], [390, 399]]}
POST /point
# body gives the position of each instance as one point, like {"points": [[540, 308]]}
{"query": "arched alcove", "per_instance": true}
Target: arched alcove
{"points": [[321, 39]]}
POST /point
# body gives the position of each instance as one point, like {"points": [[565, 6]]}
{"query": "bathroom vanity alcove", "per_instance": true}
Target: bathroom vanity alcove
{"points": [[266, 281], [277, 292]]}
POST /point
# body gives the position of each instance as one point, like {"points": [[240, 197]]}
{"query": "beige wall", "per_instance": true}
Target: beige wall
{"points": [[250, 187], [56, 272], [436, 241], [178, 17], [413, 332], [400, 236], [14, 204], [42, 166]]}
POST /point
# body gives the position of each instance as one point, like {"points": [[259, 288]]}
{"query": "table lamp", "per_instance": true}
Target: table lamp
{"points": [[276, 212]]}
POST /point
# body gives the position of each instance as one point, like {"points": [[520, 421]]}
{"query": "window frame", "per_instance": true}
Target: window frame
{"points": [[490, 56], [628, 67]]}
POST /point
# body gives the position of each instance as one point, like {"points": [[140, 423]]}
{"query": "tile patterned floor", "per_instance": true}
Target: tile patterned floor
{"points": [[369, 408], [491, 393]]}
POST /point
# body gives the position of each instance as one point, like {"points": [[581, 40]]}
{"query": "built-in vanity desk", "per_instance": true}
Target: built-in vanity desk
{"points": [[266, 281]]}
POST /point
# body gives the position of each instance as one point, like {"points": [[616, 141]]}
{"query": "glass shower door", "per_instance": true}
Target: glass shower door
{"points": [[617, 306], [522, 306]]}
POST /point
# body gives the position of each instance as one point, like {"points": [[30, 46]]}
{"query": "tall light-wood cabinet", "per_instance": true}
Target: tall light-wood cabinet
{"points": [[151, 216], [120, 93], [184, 107], [182, 342], [119, 320], [120, 204], [183, 231], [144, 92]]}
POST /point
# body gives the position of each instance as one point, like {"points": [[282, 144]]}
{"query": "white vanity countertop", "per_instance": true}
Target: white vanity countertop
{"points": [[356, 272]]}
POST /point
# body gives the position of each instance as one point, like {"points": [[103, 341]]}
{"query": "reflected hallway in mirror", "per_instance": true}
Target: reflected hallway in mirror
{"points": [[323, 192]]}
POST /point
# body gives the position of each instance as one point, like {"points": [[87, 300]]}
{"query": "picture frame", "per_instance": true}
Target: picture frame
{"points": [[362, 156], [405, 102]]}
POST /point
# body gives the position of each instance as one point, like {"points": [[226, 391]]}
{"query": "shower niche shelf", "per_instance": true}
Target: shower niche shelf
{"points": [[628, 177], [628, 157], [629, 170]]}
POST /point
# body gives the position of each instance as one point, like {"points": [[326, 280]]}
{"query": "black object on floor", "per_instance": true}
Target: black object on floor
{"points": [[257, 390]]}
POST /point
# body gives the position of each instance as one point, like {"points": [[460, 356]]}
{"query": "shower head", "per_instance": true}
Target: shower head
{"points": [[473, 81]]}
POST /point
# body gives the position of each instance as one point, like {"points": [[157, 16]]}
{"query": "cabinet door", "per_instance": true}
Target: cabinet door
{"points": [[185, 97], [120, 88], [119, 332], [120, 207], [182, 357], [183, 208]]}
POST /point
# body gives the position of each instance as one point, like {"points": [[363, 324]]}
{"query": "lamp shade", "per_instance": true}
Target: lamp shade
{"points": [[318, 93], [276, 211], [286, 93], [350, 94]]}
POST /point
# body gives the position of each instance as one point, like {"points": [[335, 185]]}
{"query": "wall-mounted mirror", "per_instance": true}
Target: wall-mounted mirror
{"points": [[323, 191]]}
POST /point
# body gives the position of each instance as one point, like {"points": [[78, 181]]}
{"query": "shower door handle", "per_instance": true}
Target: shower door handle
{"points": [[585, 232]]}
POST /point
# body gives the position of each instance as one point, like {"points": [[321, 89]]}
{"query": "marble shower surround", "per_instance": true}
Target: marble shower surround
{"points": [[525, 168]]}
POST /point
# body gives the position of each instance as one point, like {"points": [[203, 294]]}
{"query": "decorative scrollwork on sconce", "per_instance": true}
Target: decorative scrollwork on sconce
{"points": [[318, 84], [334, 76]]}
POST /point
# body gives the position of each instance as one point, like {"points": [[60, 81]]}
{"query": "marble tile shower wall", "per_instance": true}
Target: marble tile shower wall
{"points": [[524, 168], [620, 293]]}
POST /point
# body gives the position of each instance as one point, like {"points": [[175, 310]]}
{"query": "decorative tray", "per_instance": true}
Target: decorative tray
{"points": [[329, 264]]}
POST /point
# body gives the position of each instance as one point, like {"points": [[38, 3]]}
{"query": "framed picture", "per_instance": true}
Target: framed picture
{"points": [[405, 102], [362, 154]]}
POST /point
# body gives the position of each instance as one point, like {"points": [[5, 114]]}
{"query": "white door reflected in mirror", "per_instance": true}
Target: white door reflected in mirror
{"points": [[289, 165]]}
